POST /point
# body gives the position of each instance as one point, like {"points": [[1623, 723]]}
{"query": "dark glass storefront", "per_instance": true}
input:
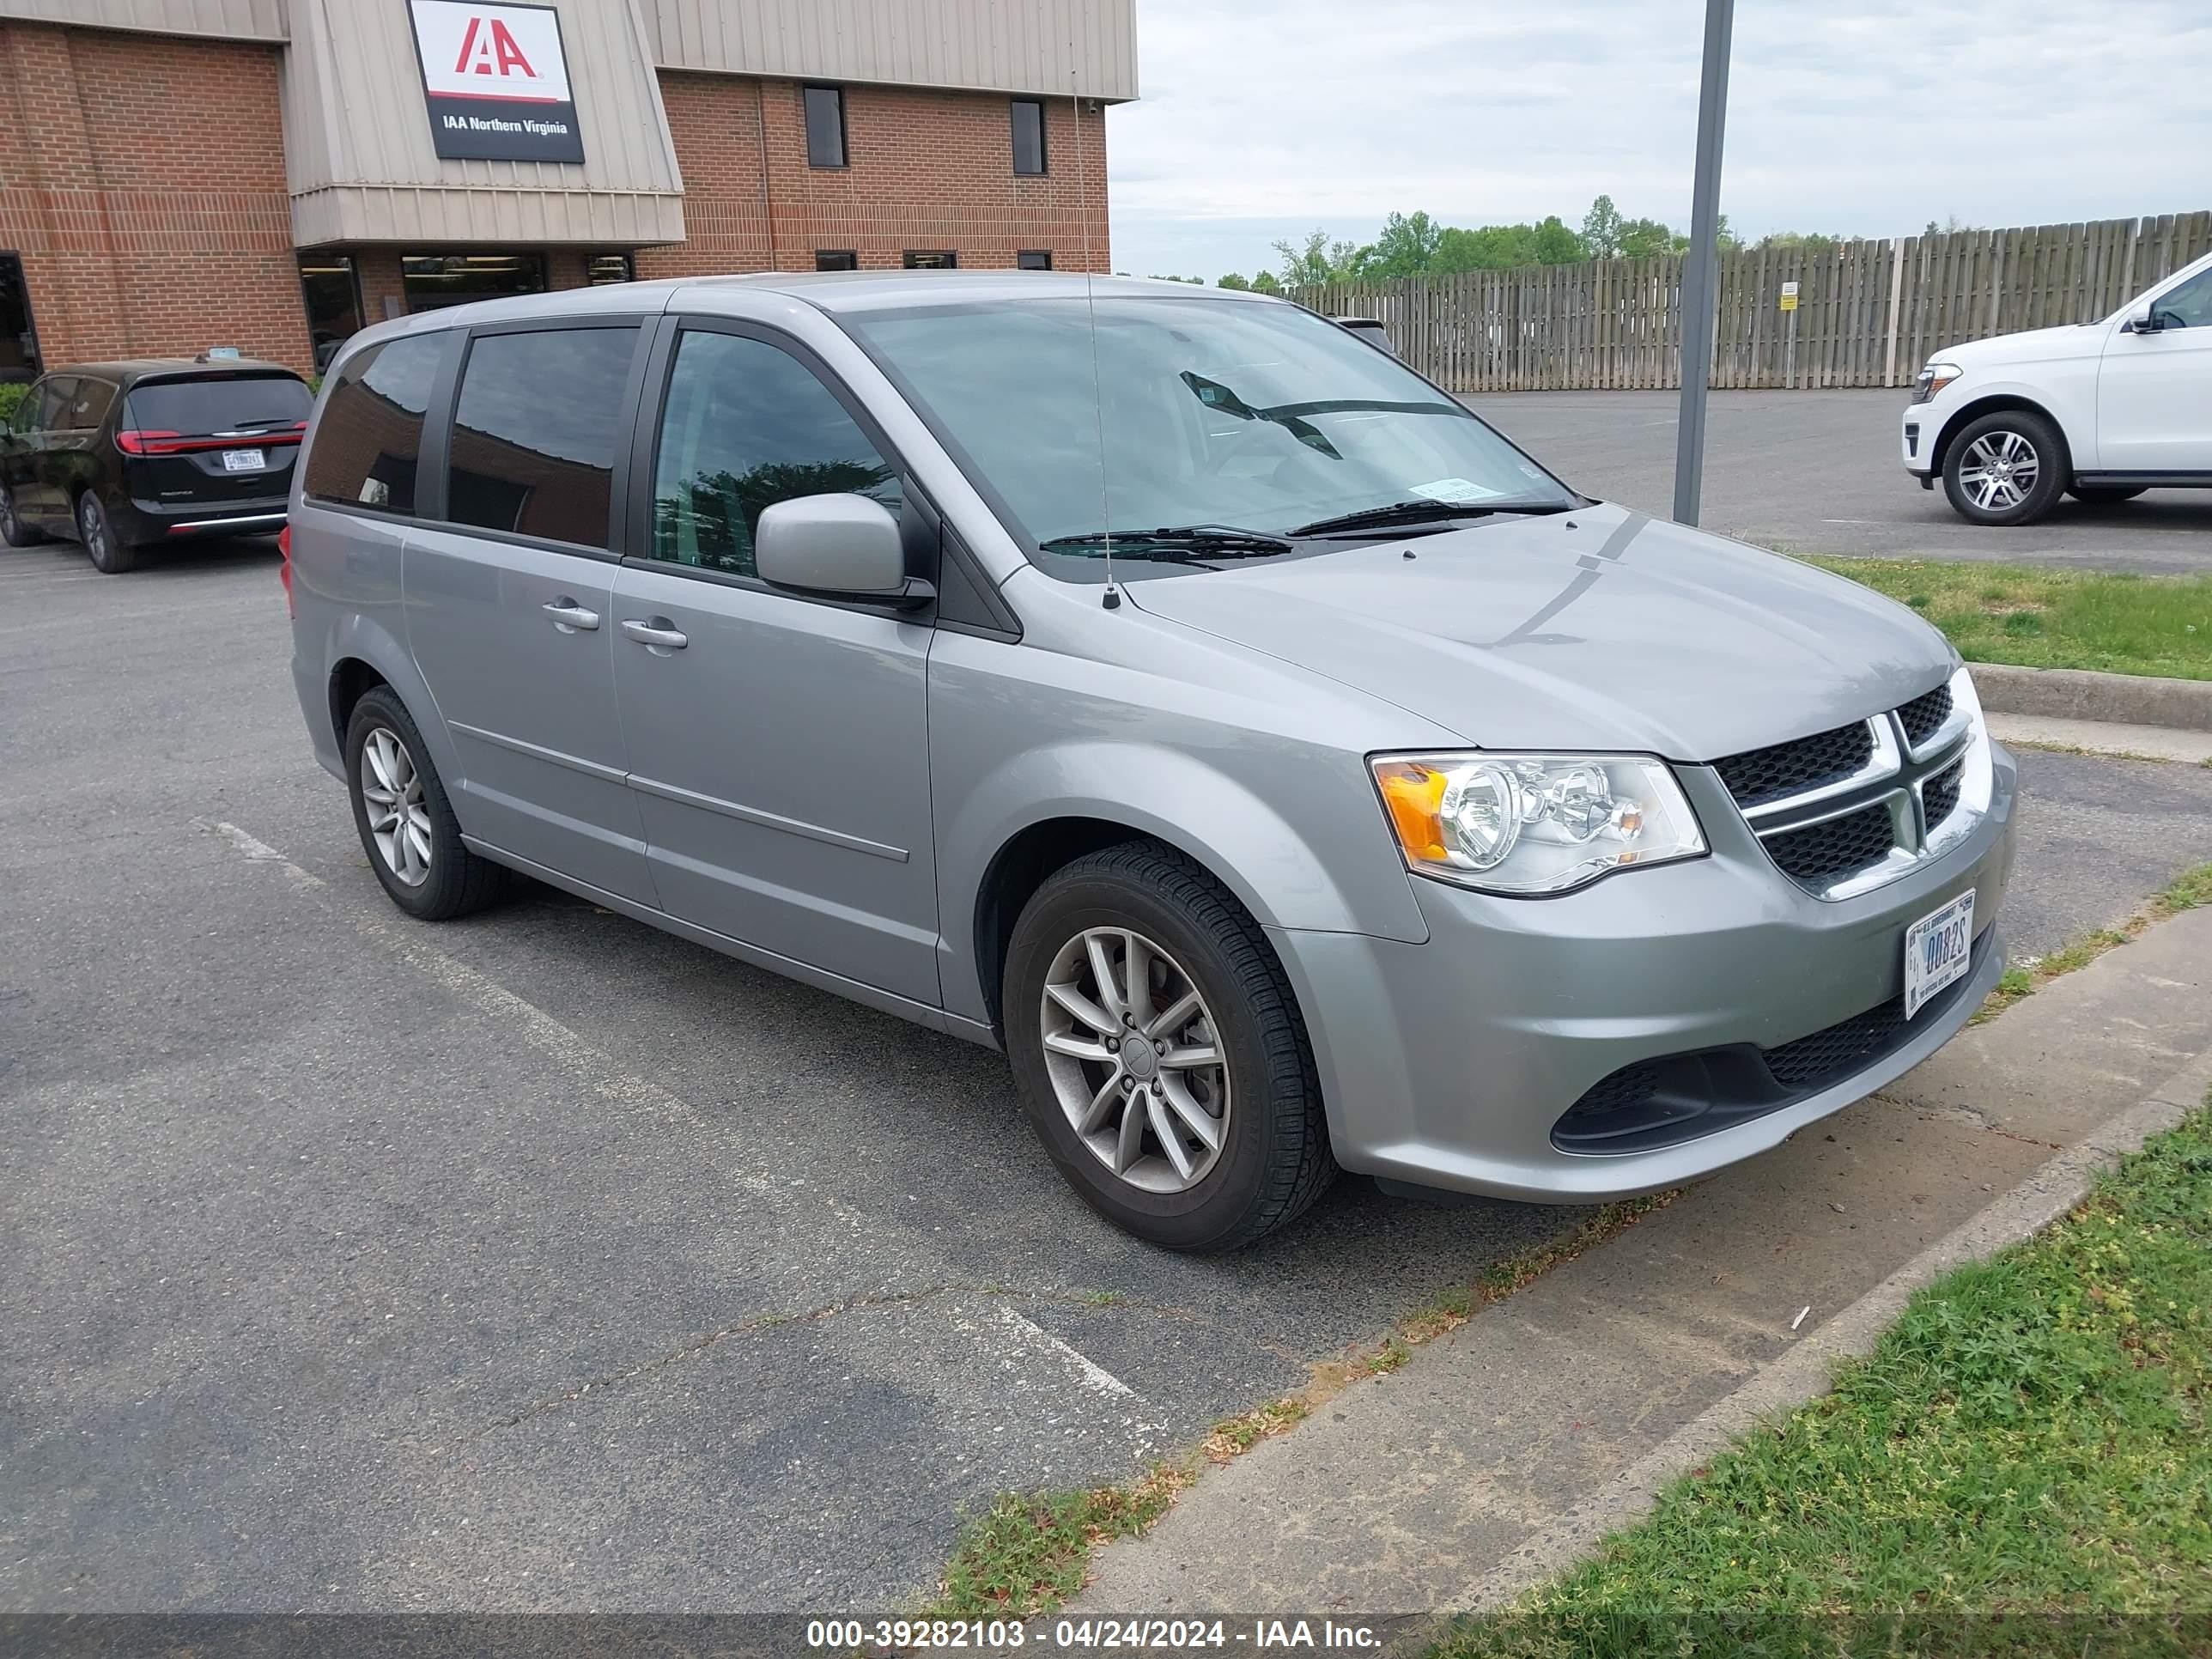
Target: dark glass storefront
{"points": [[19, 341]]}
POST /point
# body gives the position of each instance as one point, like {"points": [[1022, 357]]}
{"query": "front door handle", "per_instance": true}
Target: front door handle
{"points": [[569, 616], [659, 635]]}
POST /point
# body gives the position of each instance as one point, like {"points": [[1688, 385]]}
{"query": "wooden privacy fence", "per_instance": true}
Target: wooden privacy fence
{"points": [[1869, 312]]}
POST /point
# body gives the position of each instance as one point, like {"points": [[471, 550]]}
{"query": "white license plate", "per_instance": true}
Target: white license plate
{"points": [[243, 460], [1936, 950]]}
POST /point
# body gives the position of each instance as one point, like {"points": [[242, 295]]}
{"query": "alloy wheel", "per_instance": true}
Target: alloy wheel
{"points": [[1999, 470], [398, 817], [1135, 1059], [92, 530]]}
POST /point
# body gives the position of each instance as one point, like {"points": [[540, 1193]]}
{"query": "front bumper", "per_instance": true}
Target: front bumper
{"points": [[1921, 428], [1446, 1064]]}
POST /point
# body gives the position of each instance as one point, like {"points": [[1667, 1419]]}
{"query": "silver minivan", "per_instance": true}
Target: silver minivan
{"points": [[1163, 686]]}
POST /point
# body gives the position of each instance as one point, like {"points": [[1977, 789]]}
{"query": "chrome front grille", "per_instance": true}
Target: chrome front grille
{"points": [[1850, 808]]}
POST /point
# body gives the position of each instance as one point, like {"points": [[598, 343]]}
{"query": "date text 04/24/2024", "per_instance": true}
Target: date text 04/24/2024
{"points": [[1092, 1635]]}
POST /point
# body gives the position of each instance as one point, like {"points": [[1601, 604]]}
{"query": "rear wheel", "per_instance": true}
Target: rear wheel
{"points": [[1160, 1054], [2006, 468], [406, 821], [108, 554], [13, 529], [2105, 495]]}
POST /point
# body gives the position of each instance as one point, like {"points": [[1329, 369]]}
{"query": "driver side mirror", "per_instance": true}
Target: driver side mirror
{"points": [[2145, 319], [846, 545]]}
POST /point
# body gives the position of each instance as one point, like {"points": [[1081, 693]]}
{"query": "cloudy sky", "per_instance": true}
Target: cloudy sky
{"points": [[1264, 118]]}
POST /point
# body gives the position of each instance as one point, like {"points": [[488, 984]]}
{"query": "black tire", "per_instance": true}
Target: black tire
{"points": [[110, 555], [2105, 495], [457, 881], [2041, 442], [14, 531], [1275, 1159]]}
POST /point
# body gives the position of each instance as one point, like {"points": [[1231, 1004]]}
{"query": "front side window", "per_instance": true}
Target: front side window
{"points": [[534, 432], [747, 425], [1029, 135], [1186, 412], [2188, 306], [825, 126], [371, 434]]}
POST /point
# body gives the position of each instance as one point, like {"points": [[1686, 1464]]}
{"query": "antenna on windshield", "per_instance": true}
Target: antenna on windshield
{"points": [[1112, 598]]}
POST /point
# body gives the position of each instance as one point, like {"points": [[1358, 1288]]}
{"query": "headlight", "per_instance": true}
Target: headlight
{"points": [[1534, 824], [1932, 380]]}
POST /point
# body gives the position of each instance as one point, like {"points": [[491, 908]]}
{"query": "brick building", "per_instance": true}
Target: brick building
{"points": [[266, 173]]}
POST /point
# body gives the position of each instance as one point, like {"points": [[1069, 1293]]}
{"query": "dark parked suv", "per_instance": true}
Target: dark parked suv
{"points": [[123, 455]]}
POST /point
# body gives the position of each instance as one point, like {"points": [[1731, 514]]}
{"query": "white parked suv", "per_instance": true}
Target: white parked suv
{"points": [[2101, 410]]}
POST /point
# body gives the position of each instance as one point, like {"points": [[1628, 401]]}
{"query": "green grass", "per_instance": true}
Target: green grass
{"points": [[2119, 623], [2022, 1466]]}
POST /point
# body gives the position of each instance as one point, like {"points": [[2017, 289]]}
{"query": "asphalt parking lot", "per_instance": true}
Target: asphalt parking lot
{"points": [[1818, 472], [543, 1261]]}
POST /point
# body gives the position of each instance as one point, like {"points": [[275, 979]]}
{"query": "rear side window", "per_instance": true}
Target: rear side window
{"points": [[236, 403], [535, 431], [371, 434]]}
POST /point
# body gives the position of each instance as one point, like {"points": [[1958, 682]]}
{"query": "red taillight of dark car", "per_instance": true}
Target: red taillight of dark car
{"points": [[135, 442]]}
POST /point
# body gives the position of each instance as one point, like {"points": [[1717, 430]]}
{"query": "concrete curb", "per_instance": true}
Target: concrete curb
{"points": [[2076, 694], [1806, 1369]]}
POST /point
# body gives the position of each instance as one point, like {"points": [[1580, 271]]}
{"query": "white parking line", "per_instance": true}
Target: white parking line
{"points": [[1088, 1372], [591, 1066]]}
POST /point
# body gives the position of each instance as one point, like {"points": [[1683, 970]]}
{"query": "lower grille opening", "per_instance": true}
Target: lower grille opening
{"points": [[1677, 1098]]}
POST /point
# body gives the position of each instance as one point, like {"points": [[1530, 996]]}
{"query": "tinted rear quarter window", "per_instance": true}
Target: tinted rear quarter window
{"points": [[371, 434], [237, 403]]}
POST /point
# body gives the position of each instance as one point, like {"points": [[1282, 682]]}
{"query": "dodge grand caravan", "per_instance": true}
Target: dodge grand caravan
{"points": [[1165, 687]]}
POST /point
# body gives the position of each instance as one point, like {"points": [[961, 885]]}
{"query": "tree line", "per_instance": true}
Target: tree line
{"points": [[1415, 245]]}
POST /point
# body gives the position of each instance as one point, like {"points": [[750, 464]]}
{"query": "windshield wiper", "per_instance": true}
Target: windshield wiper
{"points": [[1407, 513], [1213, 541]]}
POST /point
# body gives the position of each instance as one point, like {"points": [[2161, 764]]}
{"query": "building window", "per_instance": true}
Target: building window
{"points": [[431, 280], [535, 431], [835, 258], [331, 289], [609, 268], [825, 126], [930, 259], [1033, 258], [1029, 134], [19, 341]]}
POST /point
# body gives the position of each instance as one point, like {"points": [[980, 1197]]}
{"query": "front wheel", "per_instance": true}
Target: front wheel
{"points": [[1159, 1051], [2006, 468], [2105, 495], [110, 555]]}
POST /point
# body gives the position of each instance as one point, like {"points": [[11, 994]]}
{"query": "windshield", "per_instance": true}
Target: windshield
{"points": [[1185, 412]]}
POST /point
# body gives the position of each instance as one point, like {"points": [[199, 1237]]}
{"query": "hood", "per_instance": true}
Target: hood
{"points": [[1598, 629], [2029, 345]]}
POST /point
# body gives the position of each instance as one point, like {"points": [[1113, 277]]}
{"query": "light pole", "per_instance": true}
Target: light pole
{"points": [[1698, 271]]}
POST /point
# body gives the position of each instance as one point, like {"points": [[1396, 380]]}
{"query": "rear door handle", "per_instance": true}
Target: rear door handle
{"points": [[569, 616], [659, 633]]}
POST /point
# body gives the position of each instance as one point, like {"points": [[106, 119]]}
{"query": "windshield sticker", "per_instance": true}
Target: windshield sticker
{"points": [[1455, 489]]}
